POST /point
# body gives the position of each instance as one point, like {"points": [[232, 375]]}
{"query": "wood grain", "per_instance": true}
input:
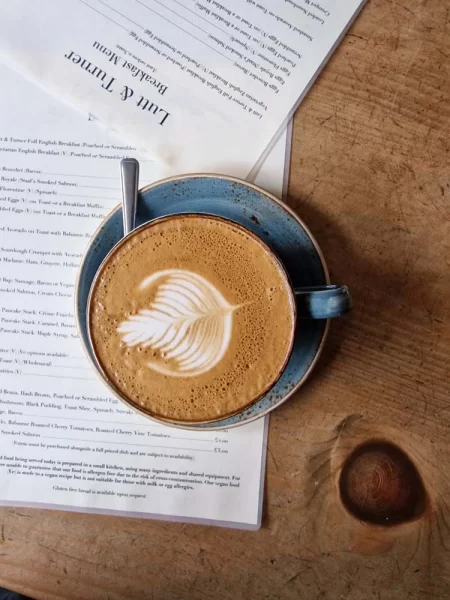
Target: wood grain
{"points": [[371, 177]]}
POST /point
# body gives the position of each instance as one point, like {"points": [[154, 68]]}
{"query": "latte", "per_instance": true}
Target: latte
{"points": [[191, 318]]}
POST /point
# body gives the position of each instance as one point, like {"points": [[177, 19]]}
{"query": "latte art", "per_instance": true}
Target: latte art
{"points": [[191, 319], [189, 323]]}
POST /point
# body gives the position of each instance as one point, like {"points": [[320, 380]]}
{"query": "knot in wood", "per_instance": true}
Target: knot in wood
{"points": [[379, 484]]}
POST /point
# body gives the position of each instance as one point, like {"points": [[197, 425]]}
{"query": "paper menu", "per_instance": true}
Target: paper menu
{"points": [[200, 85], [64, 441]]}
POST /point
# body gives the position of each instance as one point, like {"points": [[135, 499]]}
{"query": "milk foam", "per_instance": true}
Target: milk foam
{"points": [[188, 324], [191, 319]]}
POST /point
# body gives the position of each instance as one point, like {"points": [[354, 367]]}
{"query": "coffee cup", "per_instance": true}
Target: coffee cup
{"points": [[192, 318]]}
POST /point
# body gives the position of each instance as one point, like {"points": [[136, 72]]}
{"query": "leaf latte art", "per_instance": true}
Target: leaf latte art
{"points": [[188, 323], [190, 319]]}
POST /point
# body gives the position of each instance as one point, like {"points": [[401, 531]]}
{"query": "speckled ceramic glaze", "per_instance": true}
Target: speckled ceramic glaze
{"points": [[260, 212]]}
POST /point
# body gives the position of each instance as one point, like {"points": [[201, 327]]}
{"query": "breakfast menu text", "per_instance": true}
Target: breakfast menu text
{"points": [[65, 441], [201, 85]]}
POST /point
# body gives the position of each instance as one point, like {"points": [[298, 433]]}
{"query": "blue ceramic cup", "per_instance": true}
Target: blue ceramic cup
{"points": [[317, 302], [285, 235]]}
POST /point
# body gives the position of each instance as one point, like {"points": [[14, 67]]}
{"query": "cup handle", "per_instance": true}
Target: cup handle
{"points": [[323, 301]]}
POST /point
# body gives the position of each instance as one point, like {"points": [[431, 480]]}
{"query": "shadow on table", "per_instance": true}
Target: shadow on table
{"points": [[382, 279]]}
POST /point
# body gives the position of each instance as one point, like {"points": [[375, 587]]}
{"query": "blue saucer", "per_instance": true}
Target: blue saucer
{"points": [[260, 212]]}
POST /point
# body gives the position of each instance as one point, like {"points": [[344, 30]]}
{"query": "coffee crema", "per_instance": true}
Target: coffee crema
{"points": [[191, 318]]}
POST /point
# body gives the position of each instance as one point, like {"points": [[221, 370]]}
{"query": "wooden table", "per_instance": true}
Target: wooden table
{"points": [[371, 177]]}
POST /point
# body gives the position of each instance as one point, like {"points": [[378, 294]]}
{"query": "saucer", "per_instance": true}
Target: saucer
{"points": [[260, 212]]}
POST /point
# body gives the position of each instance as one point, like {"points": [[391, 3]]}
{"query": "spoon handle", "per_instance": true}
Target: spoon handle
{"points": [[129, 171]]}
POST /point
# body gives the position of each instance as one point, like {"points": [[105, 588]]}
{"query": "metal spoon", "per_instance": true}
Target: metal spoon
{"points": [[129, 172]]}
